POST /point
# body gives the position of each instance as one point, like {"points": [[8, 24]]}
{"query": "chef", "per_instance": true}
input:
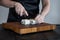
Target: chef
{"points": [[26, 9]]}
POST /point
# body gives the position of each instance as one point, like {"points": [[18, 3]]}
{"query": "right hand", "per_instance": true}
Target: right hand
{"points": [[20, 10]]}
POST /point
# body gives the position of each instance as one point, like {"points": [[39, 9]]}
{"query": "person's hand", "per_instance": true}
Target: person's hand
{"points": [[39, 19], [20, 10]]}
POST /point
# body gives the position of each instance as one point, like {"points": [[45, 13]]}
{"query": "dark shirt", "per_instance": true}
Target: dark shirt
{"points": [[31, 6]]}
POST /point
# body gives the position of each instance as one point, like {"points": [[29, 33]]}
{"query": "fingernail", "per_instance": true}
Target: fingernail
{"points": [[27, 14], [20, 15]]}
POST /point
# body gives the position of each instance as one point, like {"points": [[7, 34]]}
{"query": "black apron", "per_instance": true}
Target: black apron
{"points": [[31, 6]]}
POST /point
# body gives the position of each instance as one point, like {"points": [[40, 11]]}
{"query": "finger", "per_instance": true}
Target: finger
{"points": [[25, 12], [36, 18], [21, 12], [17, 10], [43, 21]]}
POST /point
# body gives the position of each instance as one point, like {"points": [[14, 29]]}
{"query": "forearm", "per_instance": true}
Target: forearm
{"points": [[7, 3], [45, 10], [45, 7]]}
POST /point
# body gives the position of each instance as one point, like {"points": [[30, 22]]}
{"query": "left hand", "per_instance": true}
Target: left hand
{"points": [[39, 19]]}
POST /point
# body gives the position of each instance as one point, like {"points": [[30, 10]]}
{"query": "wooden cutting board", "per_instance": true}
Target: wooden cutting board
{"points": [[24, 29]]}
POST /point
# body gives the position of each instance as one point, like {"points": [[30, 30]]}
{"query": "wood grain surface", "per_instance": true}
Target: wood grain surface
{"points": [[24, 29]]}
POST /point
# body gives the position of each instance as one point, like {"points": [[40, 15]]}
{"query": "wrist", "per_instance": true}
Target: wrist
{"points": [[42, 16], [14, 3]]}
